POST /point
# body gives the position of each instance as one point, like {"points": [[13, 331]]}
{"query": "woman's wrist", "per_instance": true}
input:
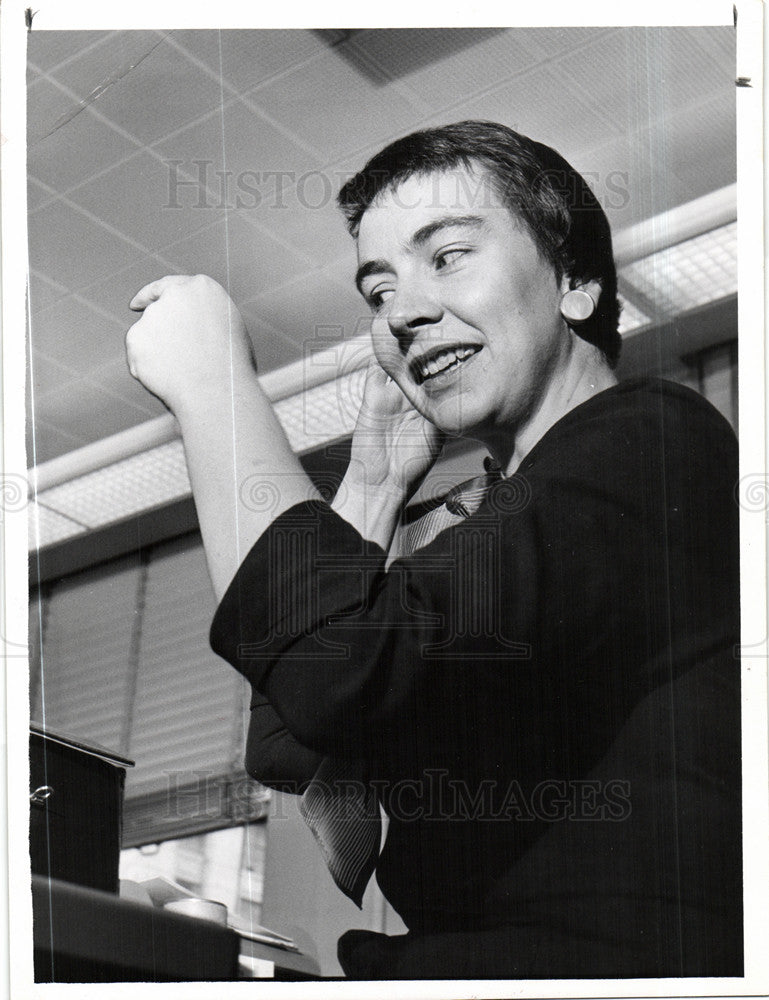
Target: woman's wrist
{"points": [[374, 509]]}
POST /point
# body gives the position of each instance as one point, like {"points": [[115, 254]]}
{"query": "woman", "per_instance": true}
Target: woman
{"points": [[544, 696]]}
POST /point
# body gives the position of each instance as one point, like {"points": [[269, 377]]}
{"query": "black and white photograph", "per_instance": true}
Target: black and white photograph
{"points": [[394, 502]]}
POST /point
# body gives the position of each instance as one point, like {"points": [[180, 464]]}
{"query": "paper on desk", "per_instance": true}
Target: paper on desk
{"points": [[162, 890], [261, 935]]}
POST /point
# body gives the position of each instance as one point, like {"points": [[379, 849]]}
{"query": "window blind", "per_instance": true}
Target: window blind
{"points": [[124, 661]]}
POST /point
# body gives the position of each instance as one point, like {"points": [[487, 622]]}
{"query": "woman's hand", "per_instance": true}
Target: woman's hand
{"points": [[393, 446], [393, 449], [190, 342]]}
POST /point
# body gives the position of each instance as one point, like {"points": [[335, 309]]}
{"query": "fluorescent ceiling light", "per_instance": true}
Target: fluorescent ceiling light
{"points": [[158, 475], [688, 275]]}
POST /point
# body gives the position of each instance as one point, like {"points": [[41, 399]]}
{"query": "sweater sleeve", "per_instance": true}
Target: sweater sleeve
{"points": [[605, 564], [361, 662], [273, 756]]}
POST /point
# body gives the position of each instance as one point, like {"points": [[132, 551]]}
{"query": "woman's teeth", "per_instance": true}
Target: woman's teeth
{"points": [[444, 361]]}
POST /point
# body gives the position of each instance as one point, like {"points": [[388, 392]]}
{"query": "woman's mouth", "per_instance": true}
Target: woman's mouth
{"points": [[441, 362]]}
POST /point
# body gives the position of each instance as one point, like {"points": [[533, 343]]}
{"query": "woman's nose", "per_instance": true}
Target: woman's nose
{"points": [[412, 308]]}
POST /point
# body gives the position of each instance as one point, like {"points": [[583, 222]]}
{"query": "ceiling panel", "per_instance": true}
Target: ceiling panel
{"points": [[647, 73], [68, 332], [295, 100], [37, 194], [72, 249], [115, 379], [105, 62], [627, 105], [76, 151], [227, 154], [105, 417], [46, 373], [337, 309], [249, 58], [397, 53], [568, 125], [43, 293], [442, 68], [162, 94], [47, 105], [45, 441], [625, 170], [145, 209], [238, 256], [48, 49], [111, 294]]}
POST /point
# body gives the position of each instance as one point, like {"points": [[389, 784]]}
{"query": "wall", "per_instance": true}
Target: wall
{"points": [[300, 897]]}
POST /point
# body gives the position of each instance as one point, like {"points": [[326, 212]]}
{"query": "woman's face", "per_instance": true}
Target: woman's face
{"points": [[466, 311]]}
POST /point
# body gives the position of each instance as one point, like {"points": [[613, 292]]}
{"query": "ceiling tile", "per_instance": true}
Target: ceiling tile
{"points": [[442, 77], [107, 62], [48, 374], [77, 336], [112, 294], [410, 53], [45, 441], [319, 234], [533, 104], [46, 106], [47, 49], [630, 184], [76, 151], [71, 249], [703, 160], [37, 195], [314, 306], [43, 293], [361, 113], [250, 57], [145, 209], [115, 379], [272, 347], [163, 93], [237, 255], [84, 411], [228, 155], [641, 74]]}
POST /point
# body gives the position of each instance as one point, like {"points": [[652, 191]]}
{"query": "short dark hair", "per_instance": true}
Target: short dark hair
{"points": [[553, 200]]}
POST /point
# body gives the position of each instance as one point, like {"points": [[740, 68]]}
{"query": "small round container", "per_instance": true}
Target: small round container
{"points": [[203, 909]]}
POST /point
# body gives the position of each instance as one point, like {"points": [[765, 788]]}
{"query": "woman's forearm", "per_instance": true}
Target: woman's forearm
{"points": [[242, 471]]}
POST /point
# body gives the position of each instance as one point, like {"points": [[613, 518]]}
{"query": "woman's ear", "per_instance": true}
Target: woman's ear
{"points": [[579, 301], [593, 288]]}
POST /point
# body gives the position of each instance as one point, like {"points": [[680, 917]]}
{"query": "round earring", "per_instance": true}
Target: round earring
{"points": [[577, 306]]}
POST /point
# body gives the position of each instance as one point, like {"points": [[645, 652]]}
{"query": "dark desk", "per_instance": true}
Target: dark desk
{"points": [[87, 936]]}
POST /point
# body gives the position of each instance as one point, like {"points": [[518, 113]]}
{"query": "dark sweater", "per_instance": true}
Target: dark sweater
{"points": [[547, 696]]}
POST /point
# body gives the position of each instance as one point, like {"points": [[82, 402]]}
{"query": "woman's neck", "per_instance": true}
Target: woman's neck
{"points": [[586, 374]]}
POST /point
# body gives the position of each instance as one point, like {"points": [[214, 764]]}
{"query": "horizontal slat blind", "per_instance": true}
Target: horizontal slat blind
{"points": [[85, 669], [187, 699], [122, 660]]}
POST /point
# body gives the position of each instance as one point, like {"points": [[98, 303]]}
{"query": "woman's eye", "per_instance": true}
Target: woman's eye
{"points": [[378, 298], [447, 257]]}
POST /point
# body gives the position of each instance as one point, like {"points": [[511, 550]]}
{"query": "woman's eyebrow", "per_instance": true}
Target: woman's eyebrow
{"points": [[420, 237], [367, 268]]}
